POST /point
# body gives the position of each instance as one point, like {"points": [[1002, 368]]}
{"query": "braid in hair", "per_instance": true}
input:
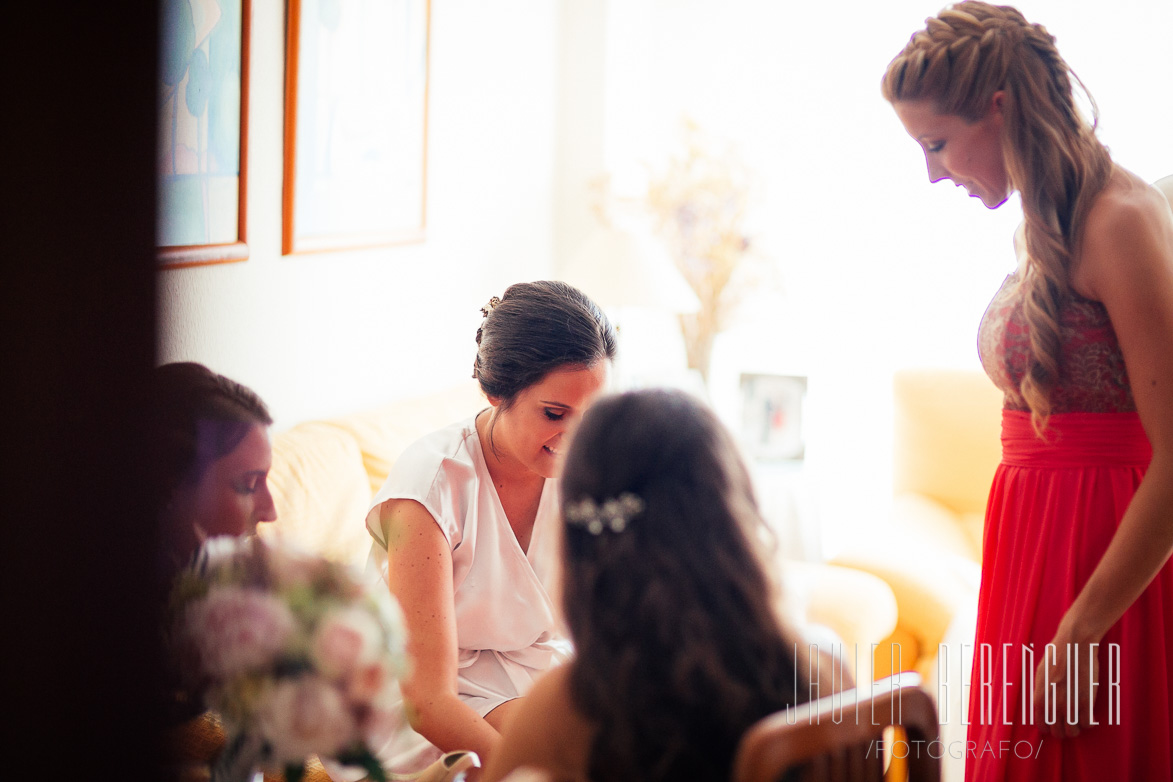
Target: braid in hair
{"points": [[1053, 158]]}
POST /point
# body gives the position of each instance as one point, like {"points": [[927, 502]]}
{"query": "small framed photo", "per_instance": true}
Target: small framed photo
{"points": [[771, 417]]}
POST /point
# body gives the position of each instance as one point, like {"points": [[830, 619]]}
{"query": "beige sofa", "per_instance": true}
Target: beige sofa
{"points": [[325, 472]]}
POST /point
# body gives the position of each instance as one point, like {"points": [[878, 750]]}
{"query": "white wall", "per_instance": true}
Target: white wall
{"points": [[879, 269], [323, 334], [533, 99]]}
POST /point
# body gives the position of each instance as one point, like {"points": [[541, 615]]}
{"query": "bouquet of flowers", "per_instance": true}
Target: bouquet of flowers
{"points": [[293, 653]]}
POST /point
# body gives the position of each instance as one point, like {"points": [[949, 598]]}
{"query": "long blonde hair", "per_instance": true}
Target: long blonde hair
{"points": [[1053, 158]]}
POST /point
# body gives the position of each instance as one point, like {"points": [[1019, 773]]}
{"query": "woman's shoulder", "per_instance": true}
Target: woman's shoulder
{"points": [[1126, 204], [1128, 227], [440, 462], [449, 439], [453, 443], [1126, 197]]}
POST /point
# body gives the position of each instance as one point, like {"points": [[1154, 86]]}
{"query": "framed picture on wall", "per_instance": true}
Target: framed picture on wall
{"points": [[356, 117], [203, 131], [771, 420]]}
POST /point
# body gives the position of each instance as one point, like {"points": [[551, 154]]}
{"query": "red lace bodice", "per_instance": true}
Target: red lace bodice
{"points": [[1092, 375]]}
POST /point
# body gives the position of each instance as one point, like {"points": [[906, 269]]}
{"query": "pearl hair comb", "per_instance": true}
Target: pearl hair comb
{"points": [[614, 514]]}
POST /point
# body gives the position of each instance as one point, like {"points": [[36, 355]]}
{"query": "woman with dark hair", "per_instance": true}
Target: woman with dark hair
{"points": [[465, 525], [670, 603], [1076, 576], [212, 458]]}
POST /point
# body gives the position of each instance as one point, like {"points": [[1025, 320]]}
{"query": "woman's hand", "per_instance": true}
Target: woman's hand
{"points": [[1067, 680]]}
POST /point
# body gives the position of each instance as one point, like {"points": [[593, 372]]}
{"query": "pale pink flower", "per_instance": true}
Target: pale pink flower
{"points": [[368, 682], [345, 640], [306, 716], [237, 630]]}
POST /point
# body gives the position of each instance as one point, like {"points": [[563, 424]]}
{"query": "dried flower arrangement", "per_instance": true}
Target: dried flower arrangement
{"points": [[700, 204]]}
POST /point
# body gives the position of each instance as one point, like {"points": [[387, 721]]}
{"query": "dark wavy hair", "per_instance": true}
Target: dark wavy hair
{"points": [[679, 647], [198, 416]]}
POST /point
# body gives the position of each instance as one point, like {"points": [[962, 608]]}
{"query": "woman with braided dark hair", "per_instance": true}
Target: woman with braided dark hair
{"points": [[1077, 583], [670, 601], [465, 525]]}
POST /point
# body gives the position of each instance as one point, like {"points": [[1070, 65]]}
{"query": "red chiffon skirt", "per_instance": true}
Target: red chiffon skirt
{"points": [[1052, 511]]}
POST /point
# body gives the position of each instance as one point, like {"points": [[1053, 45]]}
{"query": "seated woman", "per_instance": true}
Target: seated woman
{"points": [[669, 602], [212, 459], [465, 525]]}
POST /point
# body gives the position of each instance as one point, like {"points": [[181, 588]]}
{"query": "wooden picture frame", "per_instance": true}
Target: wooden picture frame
{"points": [[203, 132], [356, 119]]}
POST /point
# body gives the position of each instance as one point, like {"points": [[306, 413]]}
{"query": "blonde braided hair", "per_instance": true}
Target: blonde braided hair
{"points": [[1053, 159]]}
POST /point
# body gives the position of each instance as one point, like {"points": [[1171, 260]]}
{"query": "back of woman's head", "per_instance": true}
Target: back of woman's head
{"points": [[965, 54], [534, 329], [678, 645], [198, 417]]}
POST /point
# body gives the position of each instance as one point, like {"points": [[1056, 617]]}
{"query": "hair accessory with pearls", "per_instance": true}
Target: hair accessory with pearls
{"points": [[614, 514]]}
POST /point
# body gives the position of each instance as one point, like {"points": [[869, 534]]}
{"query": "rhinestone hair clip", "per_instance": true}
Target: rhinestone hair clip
{"points": [[614, 514]]}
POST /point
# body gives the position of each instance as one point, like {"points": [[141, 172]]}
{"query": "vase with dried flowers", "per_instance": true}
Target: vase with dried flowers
{"points": [[700, 203]]}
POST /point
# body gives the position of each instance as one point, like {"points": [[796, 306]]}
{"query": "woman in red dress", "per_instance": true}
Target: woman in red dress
{"points": [[1077, 584]]}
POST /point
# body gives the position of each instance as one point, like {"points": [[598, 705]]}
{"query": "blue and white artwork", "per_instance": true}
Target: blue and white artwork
{"points": [[199, 148]]}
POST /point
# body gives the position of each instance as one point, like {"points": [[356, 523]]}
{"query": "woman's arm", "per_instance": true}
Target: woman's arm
{"points": [[1127, 263], [545, 733], [419, 574]]}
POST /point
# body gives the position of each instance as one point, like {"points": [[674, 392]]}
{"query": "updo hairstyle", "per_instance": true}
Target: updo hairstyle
{"points": [[534, 329]]}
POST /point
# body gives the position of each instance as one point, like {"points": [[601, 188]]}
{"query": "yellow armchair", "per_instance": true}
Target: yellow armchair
{"points": [[947, 446]]}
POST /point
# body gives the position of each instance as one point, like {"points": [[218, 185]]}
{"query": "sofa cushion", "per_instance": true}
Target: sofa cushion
{"points": [[948, 426], [974, 527], [897, 653], [929, 584], [383, 433], [931, 523], [858, 607], [321, 491]]}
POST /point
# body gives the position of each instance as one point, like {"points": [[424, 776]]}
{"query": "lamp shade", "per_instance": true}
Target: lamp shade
{"points": [[625, 266]]}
